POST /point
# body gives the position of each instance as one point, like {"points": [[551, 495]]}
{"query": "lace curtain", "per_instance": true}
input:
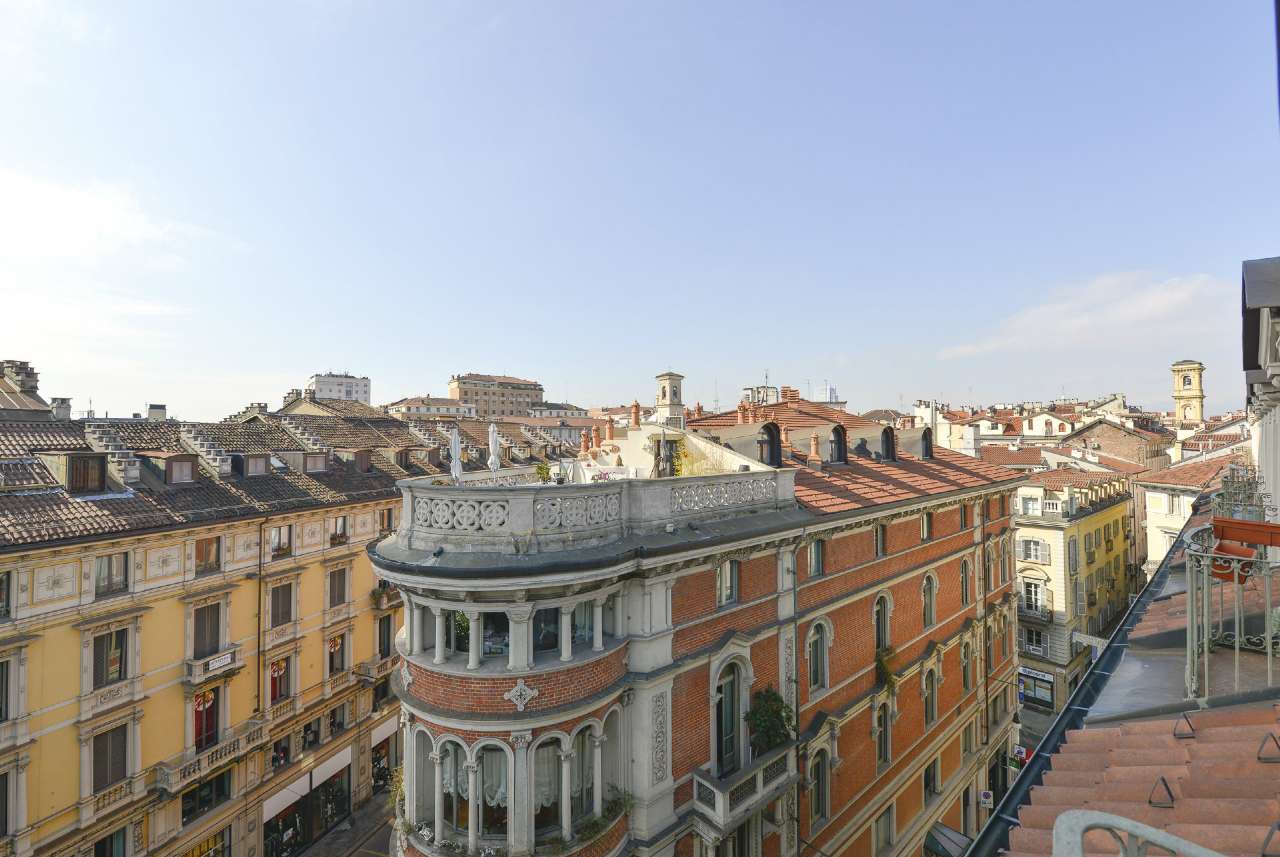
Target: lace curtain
{"points": [[582, 771], [546, 775], [493, 777]]}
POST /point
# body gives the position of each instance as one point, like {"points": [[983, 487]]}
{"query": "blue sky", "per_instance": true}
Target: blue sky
{"points": [[202, 204]]}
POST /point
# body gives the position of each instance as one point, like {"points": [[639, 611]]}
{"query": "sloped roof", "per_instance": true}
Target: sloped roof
{"points": [[1193, 474], [1006, 457]]}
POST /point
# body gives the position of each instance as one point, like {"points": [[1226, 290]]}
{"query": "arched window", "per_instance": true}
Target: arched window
{"points": [[424, 779], [880, 618], [494, 791], [453, 781], [1004, 564], [986, 649], [888, 449], [546, 791], [1004, 637], [728, 722], [966, 661], [926, 444], [818, 656], [965, 598], [884, 746], [930, 697], [769, 445], [929, 595], [819, 772], [986, 570], [581, 777], [839, 445]]}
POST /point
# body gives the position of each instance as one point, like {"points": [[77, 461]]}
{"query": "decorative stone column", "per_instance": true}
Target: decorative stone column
{"points": [[597, 616], [597, 771], [519, 652], [475, 630], [438, 615], [520, 812], [437, 820], [566, 633], [473, 807], [566, 796]]}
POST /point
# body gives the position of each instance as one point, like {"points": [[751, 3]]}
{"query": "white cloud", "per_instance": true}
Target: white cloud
{"points": [[1104, 312], [29, 28]]}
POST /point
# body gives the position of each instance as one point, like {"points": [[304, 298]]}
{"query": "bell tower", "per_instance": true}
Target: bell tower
{"points": [[1188, 392], [670, 407]]}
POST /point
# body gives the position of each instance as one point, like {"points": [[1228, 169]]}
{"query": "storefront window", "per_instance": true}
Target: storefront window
{"points": [[381, 765], [308, 818], [217, 845]]}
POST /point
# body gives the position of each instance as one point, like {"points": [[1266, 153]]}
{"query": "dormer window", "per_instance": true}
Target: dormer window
{"points": [[86, 473], [179, 471], [362, 462], [255, 465], [315, 463]]}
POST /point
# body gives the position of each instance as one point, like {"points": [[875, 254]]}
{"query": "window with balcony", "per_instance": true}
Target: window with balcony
{"points": [[204, 707], [929, 600], [111, 845], [281, 540], [311, 734], [281, 687], [213, 791], [337, 588], [111, 574], [727, 582], [282, 753], [386, 635], [337, 720], [208, 555], [728, 721], [1031, 505], [880, 621], [820, 788], [338, 528], [110, 657], [817, 558], [281, 604], [337, 654], [110, 757], [1034, 638], [1032, 596], [206, 624]]}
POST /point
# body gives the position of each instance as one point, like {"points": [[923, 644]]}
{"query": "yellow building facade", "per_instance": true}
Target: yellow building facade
{"points": [[195, 655]]}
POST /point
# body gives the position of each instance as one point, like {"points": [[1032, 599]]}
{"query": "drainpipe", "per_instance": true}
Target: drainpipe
{"points": [[257, 693]]}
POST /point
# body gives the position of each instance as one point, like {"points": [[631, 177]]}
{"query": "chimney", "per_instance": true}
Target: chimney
{"points": [[635, 414], [742, 412], [61, 409], [157, 413], [697, 409], [595, 437], [609, 430], [21, 374], [309, 395], [786, 436], [291, 397], [815, 451], [585, 442], [688, 414]]}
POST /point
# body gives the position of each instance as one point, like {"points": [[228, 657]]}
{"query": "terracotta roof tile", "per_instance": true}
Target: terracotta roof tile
{"points": [[1193, 474], [1003, 455]]}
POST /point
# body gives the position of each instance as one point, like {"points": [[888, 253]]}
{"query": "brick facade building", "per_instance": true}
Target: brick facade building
{"points": [[585, 663]]}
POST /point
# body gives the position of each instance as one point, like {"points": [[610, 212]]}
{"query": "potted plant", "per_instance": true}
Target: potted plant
{"points": [[770, 721]]}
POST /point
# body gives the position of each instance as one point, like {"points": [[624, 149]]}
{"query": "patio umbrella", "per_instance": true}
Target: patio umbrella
{"points": [[455, 455], [494, 460]]}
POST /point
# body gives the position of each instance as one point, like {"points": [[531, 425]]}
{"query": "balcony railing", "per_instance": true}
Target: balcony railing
{"points": [[376, 667], [118, 793], [385, 597], [723, 802], [336, 683], [281, 633], [175, 774], [200, 670], [1034, 650], [283, 709], [1127, 837], [1039, 609]]}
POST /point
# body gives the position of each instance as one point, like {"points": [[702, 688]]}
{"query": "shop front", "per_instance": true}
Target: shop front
{"points": [[217, 845], [386, 752], [308, 807], [1036, 687]]}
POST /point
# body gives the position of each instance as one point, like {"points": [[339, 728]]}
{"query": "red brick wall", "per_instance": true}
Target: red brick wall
{"points": [[691, 721], [483, 693]]}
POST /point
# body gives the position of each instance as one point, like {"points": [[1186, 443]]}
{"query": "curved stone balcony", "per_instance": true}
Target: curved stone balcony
{"points": [[493, 689], [476, 532]]}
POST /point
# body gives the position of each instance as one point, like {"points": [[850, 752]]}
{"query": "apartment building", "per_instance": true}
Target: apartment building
{"points": [[496, 395], [605, 665], [1072, 531], [341, 386], [430, 406], [229, 692]]}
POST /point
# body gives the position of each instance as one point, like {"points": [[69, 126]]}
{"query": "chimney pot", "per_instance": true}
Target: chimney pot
{"points": [[635, 414], [815, 450]]}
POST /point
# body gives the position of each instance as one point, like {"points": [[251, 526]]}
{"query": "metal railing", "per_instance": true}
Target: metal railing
{"points": [[1212, 568], [172, 775], [1038, 609]]}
